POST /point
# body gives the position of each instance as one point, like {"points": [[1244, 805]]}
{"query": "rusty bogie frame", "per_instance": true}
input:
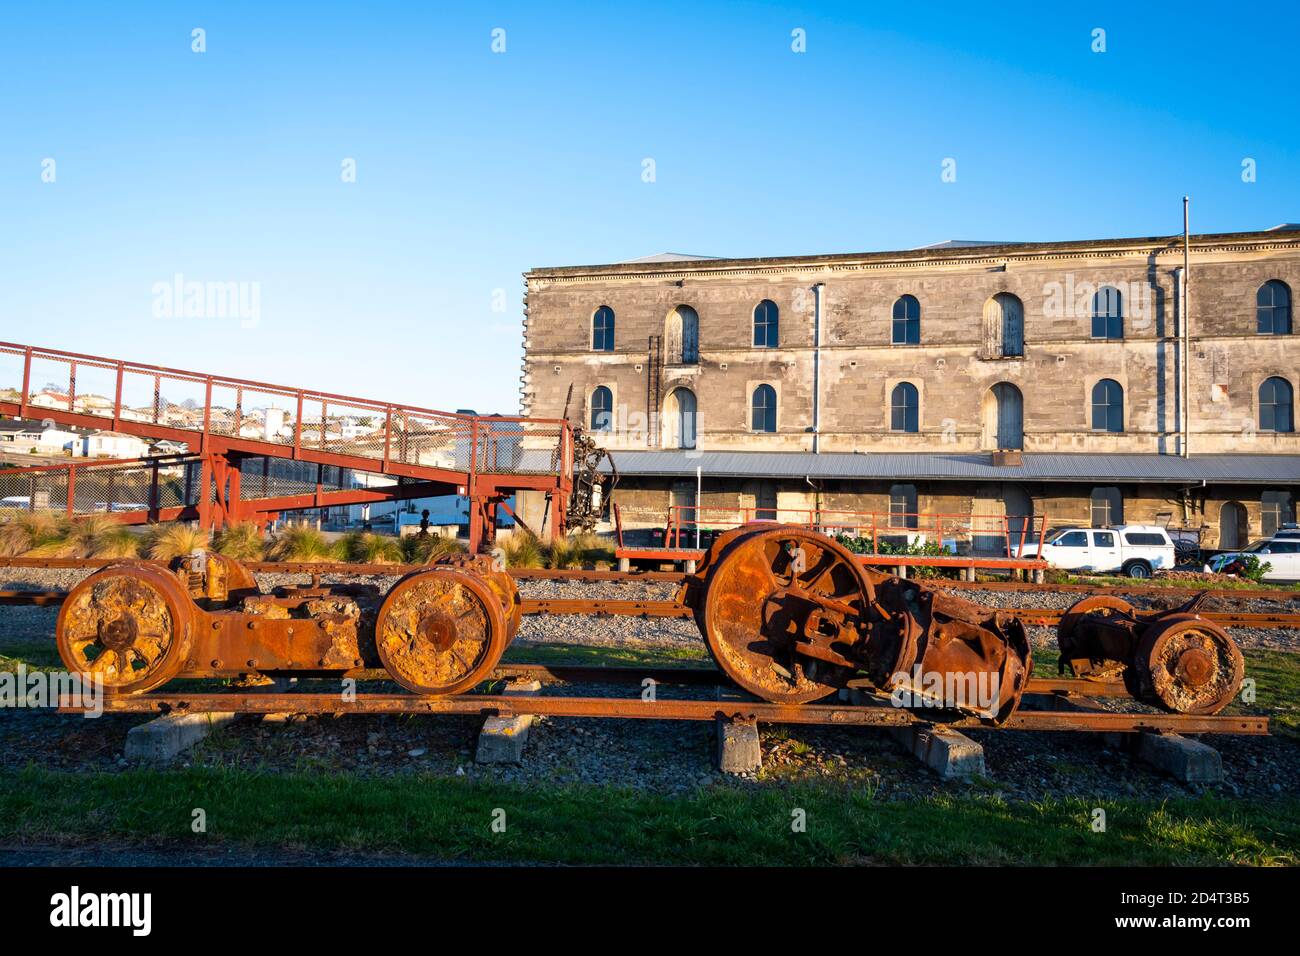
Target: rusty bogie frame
{"points": [[1175, 659], [138, 625]]}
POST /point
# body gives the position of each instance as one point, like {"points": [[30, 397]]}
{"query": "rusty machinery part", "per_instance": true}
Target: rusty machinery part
{"points": [[782, 607], [1095, 637], [1189, 664], [215, 578], [440, 631], [791, 616], [948, 652], [129, 625], [584, 508], [497, 578]]}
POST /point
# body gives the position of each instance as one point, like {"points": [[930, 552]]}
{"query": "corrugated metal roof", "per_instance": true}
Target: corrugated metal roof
{"points": [[1283, 469]]}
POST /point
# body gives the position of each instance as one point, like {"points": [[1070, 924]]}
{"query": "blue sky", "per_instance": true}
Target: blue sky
{"points": [[473, 166]]}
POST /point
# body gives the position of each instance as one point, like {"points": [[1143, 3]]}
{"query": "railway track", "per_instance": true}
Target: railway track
{"points": [[675, 577], [637, 708], [614, 607]]}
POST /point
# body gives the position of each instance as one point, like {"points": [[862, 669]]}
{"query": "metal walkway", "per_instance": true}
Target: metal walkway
{"points": [[225, 421]]}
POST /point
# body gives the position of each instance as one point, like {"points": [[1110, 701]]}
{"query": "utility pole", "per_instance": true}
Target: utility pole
{"points": [[1186, 334]]}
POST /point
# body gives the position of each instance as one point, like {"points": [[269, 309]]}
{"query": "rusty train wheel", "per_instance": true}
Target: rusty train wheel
{"points": [[440, 631], [128, 625], [758, 604], [1190, 665], [498, 579]]}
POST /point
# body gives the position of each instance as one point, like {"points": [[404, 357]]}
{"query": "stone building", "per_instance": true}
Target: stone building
{"points": [[1060, 380]]}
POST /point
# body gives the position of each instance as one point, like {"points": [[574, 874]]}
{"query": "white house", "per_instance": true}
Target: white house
{"points": [[113, 445]]}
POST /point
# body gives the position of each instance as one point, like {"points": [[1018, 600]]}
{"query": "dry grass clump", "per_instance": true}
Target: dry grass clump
{"points": [[366, 547], [175, 540], [242, 541], [425, 549], [303, 542], [27, 531], [522, 550]]}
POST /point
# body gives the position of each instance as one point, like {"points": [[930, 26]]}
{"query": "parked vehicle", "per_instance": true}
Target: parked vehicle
{"points": [[1281, 553], [1139, 550]]}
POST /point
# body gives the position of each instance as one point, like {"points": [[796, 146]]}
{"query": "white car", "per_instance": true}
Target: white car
{"points": [[1281, 553], [1136, 549]]}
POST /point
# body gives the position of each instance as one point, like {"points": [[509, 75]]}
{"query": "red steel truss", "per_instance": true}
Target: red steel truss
{"points": [[224, 420]]}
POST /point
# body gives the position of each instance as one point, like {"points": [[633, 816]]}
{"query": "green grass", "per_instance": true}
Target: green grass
{"points": [[624, 655], [1221, 582], [450, 818]]}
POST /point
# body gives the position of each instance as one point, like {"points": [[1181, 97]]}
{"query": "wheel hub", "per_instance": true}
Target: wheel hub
{"points": [[119, 633]]}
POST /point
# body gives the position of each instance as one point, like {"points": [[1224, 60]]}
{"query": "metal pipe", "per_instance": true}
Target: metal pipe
{"points": [[817, 365]]}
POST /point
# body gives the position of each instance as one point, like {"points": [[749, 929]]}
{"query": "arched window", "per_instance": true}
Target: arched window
{"points": [[767, 332], [1107, 507], [1004, 326], [1275, 406], [602, 330], [1107, 406], [602, 409], [907, 321], [1273, 308], [904, 408], [1107, 314], [682, 336], [763, 409]]}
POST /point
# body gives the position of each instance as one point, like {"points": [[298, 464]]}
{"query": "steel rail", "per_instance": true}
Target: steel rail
{"points": [[487, 705], [617, 607], [706, 676], [674, 577]]}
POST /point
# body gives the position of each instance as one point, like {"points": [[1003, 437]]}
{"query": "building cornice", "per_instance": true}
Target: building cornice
{"points": [[969, 256]]}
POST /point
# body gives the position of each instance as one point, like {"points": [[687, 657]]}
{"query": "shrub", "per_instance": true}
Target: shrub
{"points": [[908, 548], [169, 541], [242, 541], [1251, 568]]}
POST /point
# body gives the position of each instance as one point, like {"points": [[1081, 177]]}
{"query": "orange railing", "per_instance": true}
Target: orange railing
{"points": [[152, 400], [1004, 535]]}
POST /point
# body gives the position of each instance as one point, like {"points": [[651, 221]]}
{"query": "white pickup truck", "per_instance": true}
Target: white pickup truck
{"points": [[1136, 549]]}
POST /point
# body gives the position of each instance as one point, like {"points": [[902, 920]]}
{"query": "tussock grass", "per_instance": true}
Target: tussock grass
{"points": [[522, 550], [424, 549], [366, 547], [578, 550], [27, 531], [175, 540], [303, 542], [243, 541]]}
